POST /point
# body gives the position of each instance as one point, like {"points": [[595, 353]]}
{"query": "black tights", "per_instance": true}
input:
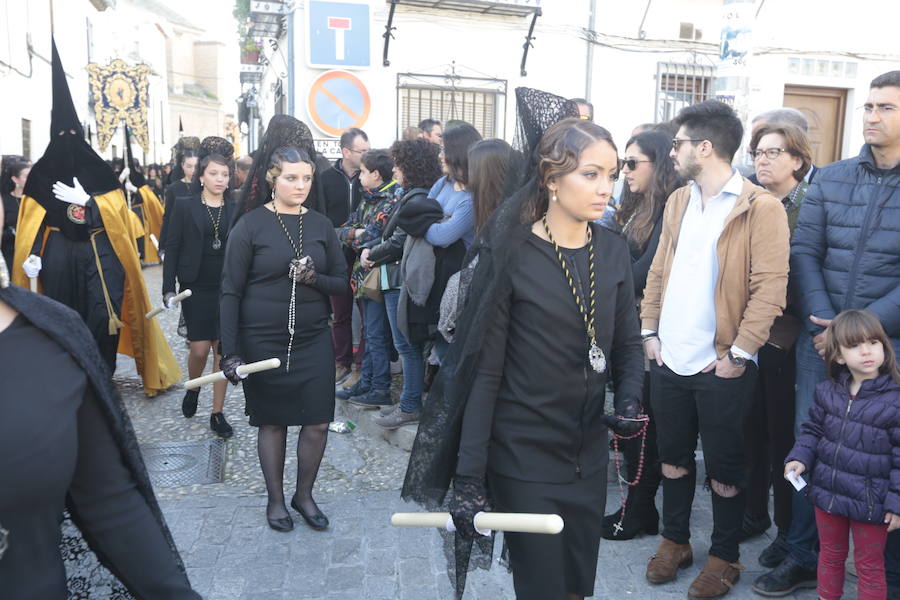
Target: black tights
{"points": [[272, 445]]}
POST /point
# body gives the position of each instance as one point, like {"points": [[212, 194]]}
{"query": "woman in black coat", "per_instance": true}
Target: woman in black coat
{"points": [[282, 263], [196, 252], [66, 443]]}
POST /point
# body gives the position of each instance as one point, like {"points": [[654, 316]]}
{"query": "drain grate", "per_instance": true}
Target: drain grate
{"points": [[185, 463]]}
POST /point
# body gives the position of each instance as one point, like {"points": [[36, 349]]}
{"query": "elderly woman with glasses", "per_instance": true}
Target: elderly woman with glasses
{"points": [[782, 158]]}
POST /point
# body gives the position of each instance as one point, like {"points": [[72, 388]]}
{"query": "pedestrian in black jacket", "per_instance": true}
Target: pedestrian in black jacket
{"points": [[342, 194]]}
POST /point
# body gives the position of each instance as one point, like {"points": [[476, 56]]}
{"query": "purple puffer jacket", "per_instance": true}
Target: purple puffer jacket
{"points": [[853, 447]]}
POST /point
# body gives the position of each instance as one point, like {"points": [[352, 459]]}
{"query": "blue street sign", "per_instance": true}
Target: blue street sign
{"points": [[338, 34]]}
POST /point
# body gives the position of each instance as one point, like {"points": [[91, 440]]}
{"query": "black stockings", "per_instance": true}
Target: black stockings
{"points": [[310, 448], [271, 445]]}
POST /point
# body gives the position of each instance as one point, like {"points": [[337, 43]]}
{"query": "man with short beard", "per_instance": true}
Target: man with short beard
{"points": [[845, 254], [717, 282]]}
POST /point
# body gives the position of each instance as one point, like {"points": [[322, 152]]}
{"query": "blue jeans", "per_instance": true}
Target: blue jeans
{"points": [[377, 356], [802, 537], [410, 354]]}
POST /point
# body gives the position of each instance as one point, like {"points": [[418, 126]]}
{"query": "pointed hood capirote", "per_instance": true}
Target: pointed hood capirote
{"points": [[68, 155]]}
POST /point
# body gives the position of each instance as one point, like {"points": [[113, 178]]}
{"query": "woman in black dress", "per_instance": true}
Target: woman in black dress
{"points": [[649, 179], [197, 235], [13, 175], [282, 263], [66, 443], [550, 314], [179, 183]]}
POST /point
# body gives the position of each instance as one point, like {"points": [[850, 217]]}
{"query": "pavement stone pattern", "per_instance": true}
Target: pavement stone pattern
{"points": [[231, 554]]}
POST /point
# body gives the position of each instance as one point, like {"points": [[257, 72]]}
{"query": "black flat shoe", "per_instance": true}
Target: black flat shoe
{"points": [[189, 403], [317, 521], [284, 524]]}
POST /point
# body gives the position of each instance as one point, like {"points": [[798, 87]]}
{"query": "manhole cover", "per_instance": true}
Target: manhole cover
{"points": [[185, 463]]}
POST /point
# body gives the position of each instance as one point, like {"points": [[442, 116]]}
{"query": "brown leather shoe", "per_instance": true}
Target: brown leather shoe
{"points": [[716, 579], [663, 566]]}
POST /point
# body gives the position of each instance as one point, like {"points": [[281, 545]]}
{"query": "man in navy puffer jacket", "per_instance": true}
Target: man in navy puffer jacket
{"points": [[845, 253]]}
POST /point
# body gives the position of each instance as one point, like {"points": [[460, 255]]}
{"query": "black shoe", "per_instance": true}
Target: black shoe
{"points": [[284, 524], [218, 424], [189, 403], [753, 526], [317, 521], [784, 579], [633, 524], [357, 389], [372, 399], [774, 553]]}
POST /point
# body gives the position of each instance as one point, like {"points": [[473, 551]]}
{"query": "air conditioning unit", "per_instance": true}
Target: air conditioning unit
{"points": [[687, 31]]}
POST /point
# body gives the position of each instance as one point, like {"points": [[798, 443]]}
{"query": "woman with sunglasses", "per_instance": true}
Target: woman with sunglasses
{"points": [[781, 158], [649, 179]]}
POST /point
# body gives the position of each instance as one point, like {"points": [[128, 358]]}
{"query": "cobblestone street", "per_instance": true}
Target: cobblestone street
{"points": [[231, 553]]}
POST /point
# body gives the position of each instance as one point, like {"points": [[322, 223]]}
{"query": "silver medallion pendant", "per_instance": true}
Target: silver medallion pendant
{"points": [[216, 243], [596, 358]]}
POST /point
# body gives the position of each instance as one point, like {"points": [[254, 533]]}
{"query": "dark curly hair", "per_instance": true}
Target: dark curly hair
{"points": [[419, 161]]}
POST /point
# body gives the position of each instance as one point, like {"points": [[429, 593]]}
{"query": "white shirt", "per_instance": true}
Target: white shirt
{"points": [[687, 325]]}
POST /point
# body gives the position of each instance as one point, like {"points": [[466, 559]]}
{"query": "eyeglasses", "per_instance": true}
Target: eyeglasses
{"points": [[884, 109], [770, 153], [357, 151], [632, 163], [676, 142]]}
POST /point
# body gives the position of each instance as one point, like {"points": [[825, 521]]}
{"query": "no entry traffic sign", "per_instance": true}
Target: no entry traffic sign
{"points": [[338, 100]]}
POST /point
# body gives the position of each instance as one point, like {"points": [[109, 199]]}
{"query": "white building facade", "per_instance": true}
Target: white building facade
{"points": [[637, 62]]}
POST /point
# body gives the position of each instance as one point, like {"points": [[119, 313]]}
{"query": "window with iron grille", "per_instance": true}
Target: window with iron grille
{"points": [[26, 138], [680, 85], [476, 107]]}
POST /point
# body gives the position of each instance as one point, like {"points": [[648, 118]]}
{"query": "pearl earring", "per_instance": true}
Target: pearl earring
{"points": [[553, 198]]}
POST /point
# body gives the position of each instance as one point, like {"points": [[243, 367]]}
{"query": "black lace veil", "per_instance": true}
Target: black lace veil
{"points": [[432, 462], [283, 130]]}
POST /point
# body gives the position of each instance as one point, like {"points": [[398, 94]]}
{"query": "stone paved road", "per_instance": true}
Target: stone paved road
{"points": [[232, 554]]}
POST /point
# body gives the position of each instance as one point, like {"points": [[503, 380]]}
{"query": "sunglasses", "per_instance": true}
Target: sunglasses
{"points": [[632, 163], [676, 142]]}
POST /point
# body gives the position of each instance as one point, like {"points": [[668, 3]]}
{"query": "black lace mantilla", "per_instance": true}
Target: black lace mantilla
{"points": [[432, 462]]}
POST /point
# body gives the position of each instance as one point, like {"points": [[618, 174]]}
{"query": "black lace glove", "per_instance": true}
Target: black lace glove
{"points": [[229, 366], [304, 271], [626, 409], [467, 499]]}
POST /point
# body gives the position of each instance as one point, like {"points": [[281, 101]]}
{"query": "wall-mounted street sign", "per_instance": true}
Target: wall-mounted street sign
{"points": [[338, 34], [338, 100]]}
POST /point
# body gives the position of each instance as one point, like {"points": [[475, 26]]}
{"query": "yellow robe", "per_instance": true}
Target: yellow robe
{"points": [[140, 338], [153, 217]]}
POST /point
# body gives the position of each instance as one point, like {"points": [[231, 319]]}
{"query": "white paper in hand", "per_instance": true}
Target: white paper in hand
{"points": [[796, 480]]}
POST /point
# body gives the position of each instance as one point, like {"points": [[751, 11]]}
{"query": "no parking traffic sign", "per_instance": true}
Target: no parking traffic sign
{"points": [[338, 100]]}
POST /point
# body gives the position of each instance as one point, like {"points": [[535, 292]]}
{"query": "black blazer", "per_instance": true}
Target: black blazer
{"points": [[184, 248]]}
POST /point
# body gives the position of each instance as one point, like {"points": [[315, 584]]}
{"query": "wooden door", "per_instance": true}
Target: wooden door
{"points": [[824, 109]]}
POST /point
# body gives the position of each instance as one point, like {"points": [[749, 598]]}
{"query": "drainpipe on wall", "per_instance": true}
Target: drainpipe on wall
{"points": [[590, 52], [290, 65]]}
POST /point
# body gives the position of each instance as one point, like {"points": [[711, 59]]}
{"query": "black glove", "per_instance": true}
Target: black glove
{"points": [[304, 271], [229, 366], [626, 409], [467, 499]]}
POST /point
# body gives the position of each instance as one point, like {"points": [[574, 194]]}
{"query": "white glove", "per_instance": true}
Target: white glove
{"points": [[124, 174], [72, 195], [32, 266], [130, 186]]}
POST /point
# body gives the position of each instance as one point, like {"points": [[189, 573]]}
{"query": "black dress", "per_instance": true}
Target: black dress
{"points": [[256, 293], [533, 421], [10, 218], [197, 263], [72, 459]]}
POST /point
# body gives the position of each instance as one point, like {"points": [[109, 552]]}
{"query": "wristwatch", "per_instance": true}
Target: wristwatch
{"points": [[738, 361]]}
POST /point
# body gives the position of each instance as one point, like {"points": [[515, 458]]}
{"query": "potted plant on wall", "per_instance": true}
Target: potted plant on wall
{"points": [[250, 49]]}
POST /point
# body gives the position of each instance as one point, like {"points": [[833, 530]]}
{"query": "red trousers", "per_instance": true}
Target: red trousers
{"points": [[868, 553]]}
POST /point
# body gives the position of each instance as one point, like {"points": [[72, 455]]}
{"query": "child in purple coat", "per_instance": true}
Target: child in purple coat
{"points": [[850, 448]]}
